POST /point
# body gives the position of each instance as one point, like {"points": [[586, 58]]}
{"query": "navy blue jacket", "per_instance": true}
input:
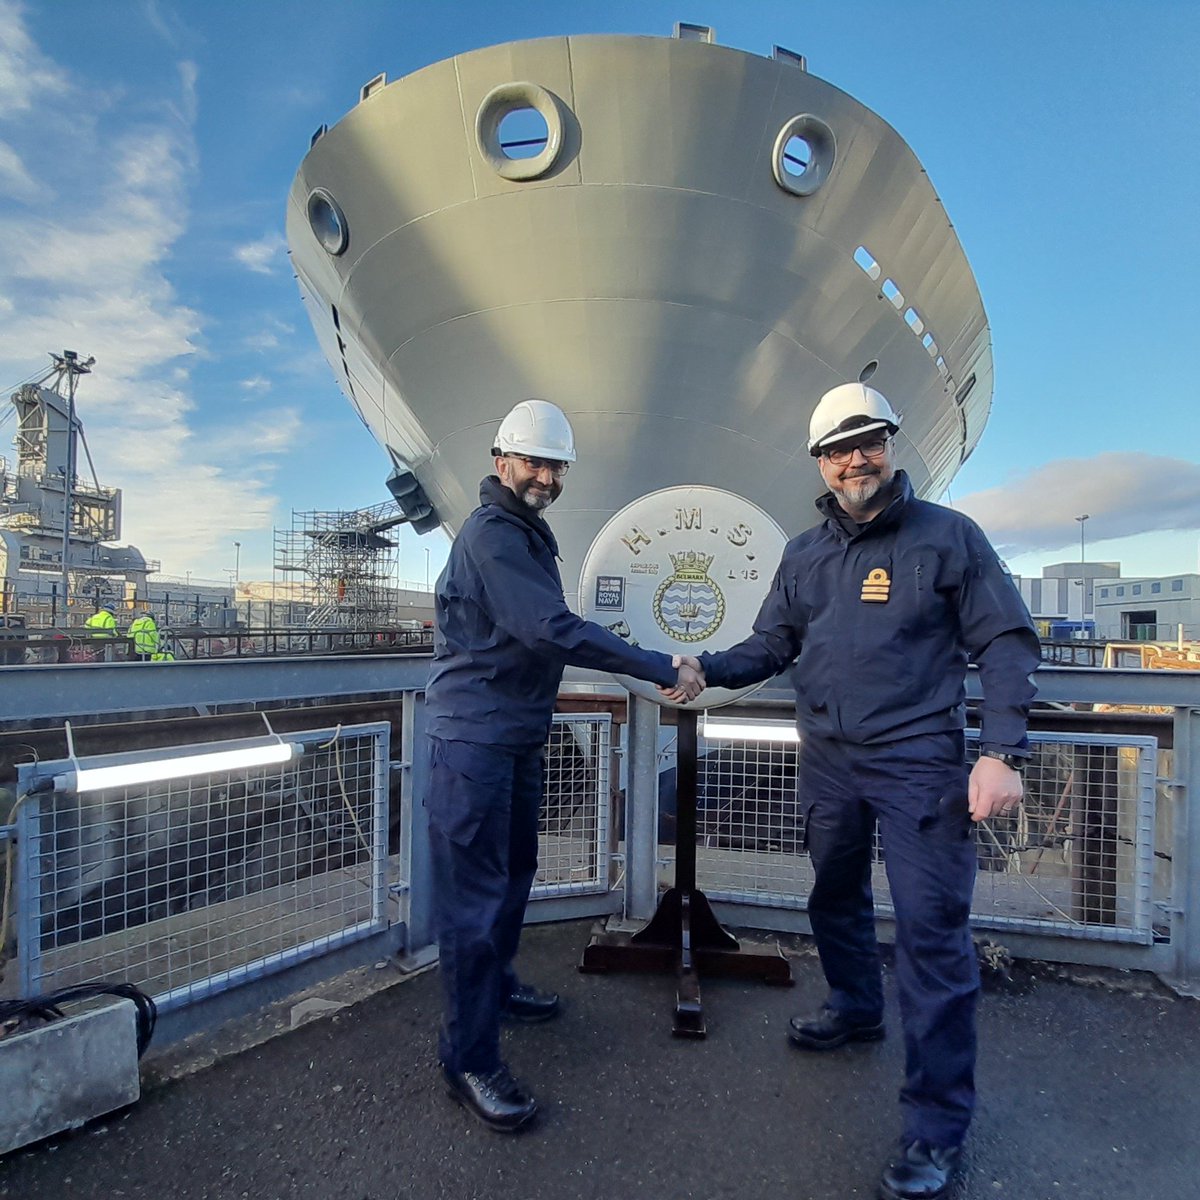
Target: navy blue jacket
{"points": [[884, 657], [504, 632]]}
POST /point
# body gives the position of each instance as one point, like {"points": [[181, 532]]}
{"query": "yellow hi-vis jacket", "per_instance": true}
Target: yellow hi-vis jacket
{"points": [[145, 635], [101, 624]]}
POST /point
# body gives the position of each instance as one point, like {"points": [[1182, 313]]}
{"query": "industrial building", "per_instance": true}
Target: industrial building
{"points": [[1152, 609]]}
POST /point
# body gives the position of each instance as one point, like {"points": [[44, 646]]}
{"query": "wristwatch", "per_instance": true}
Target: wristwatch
{"points": [[1013, 761]]}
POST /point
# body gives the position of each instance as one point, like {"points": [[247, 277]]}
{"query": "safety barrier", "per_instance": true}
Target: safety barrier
{"points": [[186, 884], [1102, 867], [574, 834], [1077, 860]]}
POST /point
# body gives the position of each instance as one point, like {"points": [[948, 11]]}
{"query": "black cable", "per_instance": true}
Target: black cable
{"points": [[46, 1008]]}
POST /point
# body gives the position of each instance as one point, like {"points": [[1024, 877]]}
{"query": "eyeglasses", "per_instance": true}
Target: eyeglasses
{"points": [[871, 448], [556, 467]]}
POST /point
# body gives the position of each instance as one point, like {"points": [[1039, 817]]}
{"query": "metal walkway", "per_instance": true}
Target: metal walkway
{"points": [[1087, 1089]]}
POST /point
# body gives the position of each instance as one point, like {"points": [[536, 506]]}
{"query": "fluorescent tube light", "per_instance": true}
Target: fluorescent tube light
{"points": [[749, 731], [94, 779]]}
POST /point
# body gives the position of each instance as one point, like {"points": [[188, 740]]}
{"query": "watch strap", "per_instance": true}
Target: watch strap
{"points": [[1012, 761]]}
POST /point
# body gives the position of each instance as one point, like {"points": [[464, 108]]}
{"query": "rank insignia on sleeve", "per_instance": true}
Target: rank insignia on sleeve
{"points": [[876, 587]]}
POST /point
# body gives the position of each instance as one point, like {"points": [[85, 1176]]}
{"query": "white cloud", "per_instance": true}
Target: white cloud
{"points": [[270, 336], [256, 384], [1123, 494], [15, 180], [90, 273], [269, 432], [24, 70], [189, 73], [262, 256]]}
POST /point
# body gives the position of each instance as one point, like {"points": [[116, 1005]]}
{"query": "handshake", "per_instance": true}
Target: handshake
{"points": [[690, 682]]}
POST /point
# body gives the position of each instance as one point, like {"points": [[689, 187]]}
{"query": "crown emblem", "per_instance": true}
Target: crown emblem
{"points": [[691, 565]]}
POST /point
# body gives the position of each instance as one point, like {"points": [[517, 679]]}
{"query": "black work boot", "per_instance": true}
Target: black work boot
{"points": [[525, 1003], [829, 1029], [919, 1171], [497, 1099]]}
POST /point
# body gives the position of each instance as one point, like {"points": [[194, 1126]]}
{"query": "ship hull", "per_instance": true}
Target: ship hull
{"points": [[657, 281]]}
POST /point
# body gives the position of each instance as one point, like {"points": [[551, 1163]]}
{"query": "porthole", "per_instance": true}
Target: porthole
{"points": [[328, 221], [797, 157], [804, 152], [866, 260], [868, 370], [523, 133], [519, 128]]}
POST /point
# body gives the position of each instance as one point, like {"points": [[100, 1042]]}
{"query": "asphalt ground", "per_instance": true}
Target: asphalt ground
{"points": [[1089, 1087]]}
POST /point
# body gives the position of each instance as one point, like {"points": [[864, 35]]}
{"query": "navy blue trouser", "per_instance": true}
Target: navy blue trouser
{"points": [[916, 789], [483, 806]]}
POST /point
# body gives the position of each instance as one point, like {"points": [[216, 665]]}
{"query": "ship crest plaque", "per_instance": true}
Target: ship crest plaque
{"points": [[689, 606], [687, 569]]}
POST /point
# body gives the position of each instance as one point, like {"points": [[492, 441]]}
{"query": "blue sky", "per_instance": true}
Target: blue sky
{"points": [[147, 146]]}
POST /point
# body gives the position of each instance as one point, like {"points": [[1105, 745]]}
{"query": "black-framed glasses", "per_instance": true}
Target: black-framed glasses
{"points": [[871, 448], [555, 466]]}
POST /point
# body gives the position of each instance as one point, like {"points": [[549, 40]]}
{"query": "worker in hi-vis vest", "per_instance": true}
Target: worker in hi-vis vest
{"points": [[144, 632], [102, 623]]}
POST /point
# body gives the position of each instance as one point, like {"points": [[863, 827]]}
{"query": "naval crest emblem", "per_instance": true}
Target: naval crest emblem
{"points": [[688, 605]]}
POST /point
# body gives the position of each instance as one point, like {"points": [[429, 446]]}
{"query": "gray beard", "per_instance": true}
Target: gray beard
{"points": [[861, 490], [536, 500]]}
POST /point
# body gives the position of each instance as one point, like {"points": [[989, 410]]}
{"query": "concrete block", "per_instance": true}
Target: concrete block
{"points": [[60, 1075]]}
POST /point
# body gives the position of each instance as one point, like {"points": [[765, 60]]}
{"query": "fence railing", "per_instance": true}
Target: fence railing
{"points": [[573, 856], [45, 647], [1076, 861], [186, 886], [1102, 867]]}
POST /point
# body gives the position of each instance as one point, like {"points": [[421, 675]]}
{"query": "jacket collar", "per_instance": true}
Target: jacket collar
{"points": [[492, 491], [843, 525]]}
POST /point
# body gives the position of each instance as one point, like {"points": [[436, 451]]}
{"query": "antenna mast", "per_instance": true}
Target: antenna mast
{"points": [[67, 364]]}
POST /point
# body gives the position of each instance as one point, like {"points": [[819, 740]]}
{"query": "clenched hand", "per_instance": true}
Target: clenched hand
{"points": [[690, 681]]}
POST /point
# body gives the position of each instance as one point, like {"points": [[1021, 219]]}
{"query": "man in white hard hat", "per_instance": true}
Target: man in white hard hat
{"points": [[503, 636], [881, 607]]}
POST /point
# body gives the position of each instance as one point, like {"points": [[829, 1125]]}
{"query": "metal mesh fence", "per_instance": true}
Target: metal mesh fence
{"points": [[1077, 860], [188, 886], [573, 836]]}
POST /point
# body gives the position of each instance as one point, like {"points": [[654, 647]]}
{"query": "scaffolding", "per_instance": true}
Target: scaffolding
{"points": [[348, 568]]}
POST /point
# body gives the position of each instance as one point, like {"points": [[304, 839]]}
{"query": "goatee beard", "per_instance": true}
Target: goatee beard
{"points": [[537, 500], [862, 489]]}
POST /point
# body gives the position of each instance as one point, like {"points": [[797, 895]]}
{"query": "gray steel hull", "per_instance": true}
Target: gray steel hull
{"points": [[657, 282]]}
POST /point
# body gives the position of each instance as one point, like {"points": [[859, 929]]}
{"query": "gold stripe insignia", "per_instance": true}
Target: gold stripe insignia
{"points": [[876, 587]]}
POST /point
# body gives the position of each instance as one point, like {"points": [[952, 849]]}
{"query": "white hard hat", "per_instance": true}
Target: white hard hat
{"points": [[846, 411], [538, 428]]}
